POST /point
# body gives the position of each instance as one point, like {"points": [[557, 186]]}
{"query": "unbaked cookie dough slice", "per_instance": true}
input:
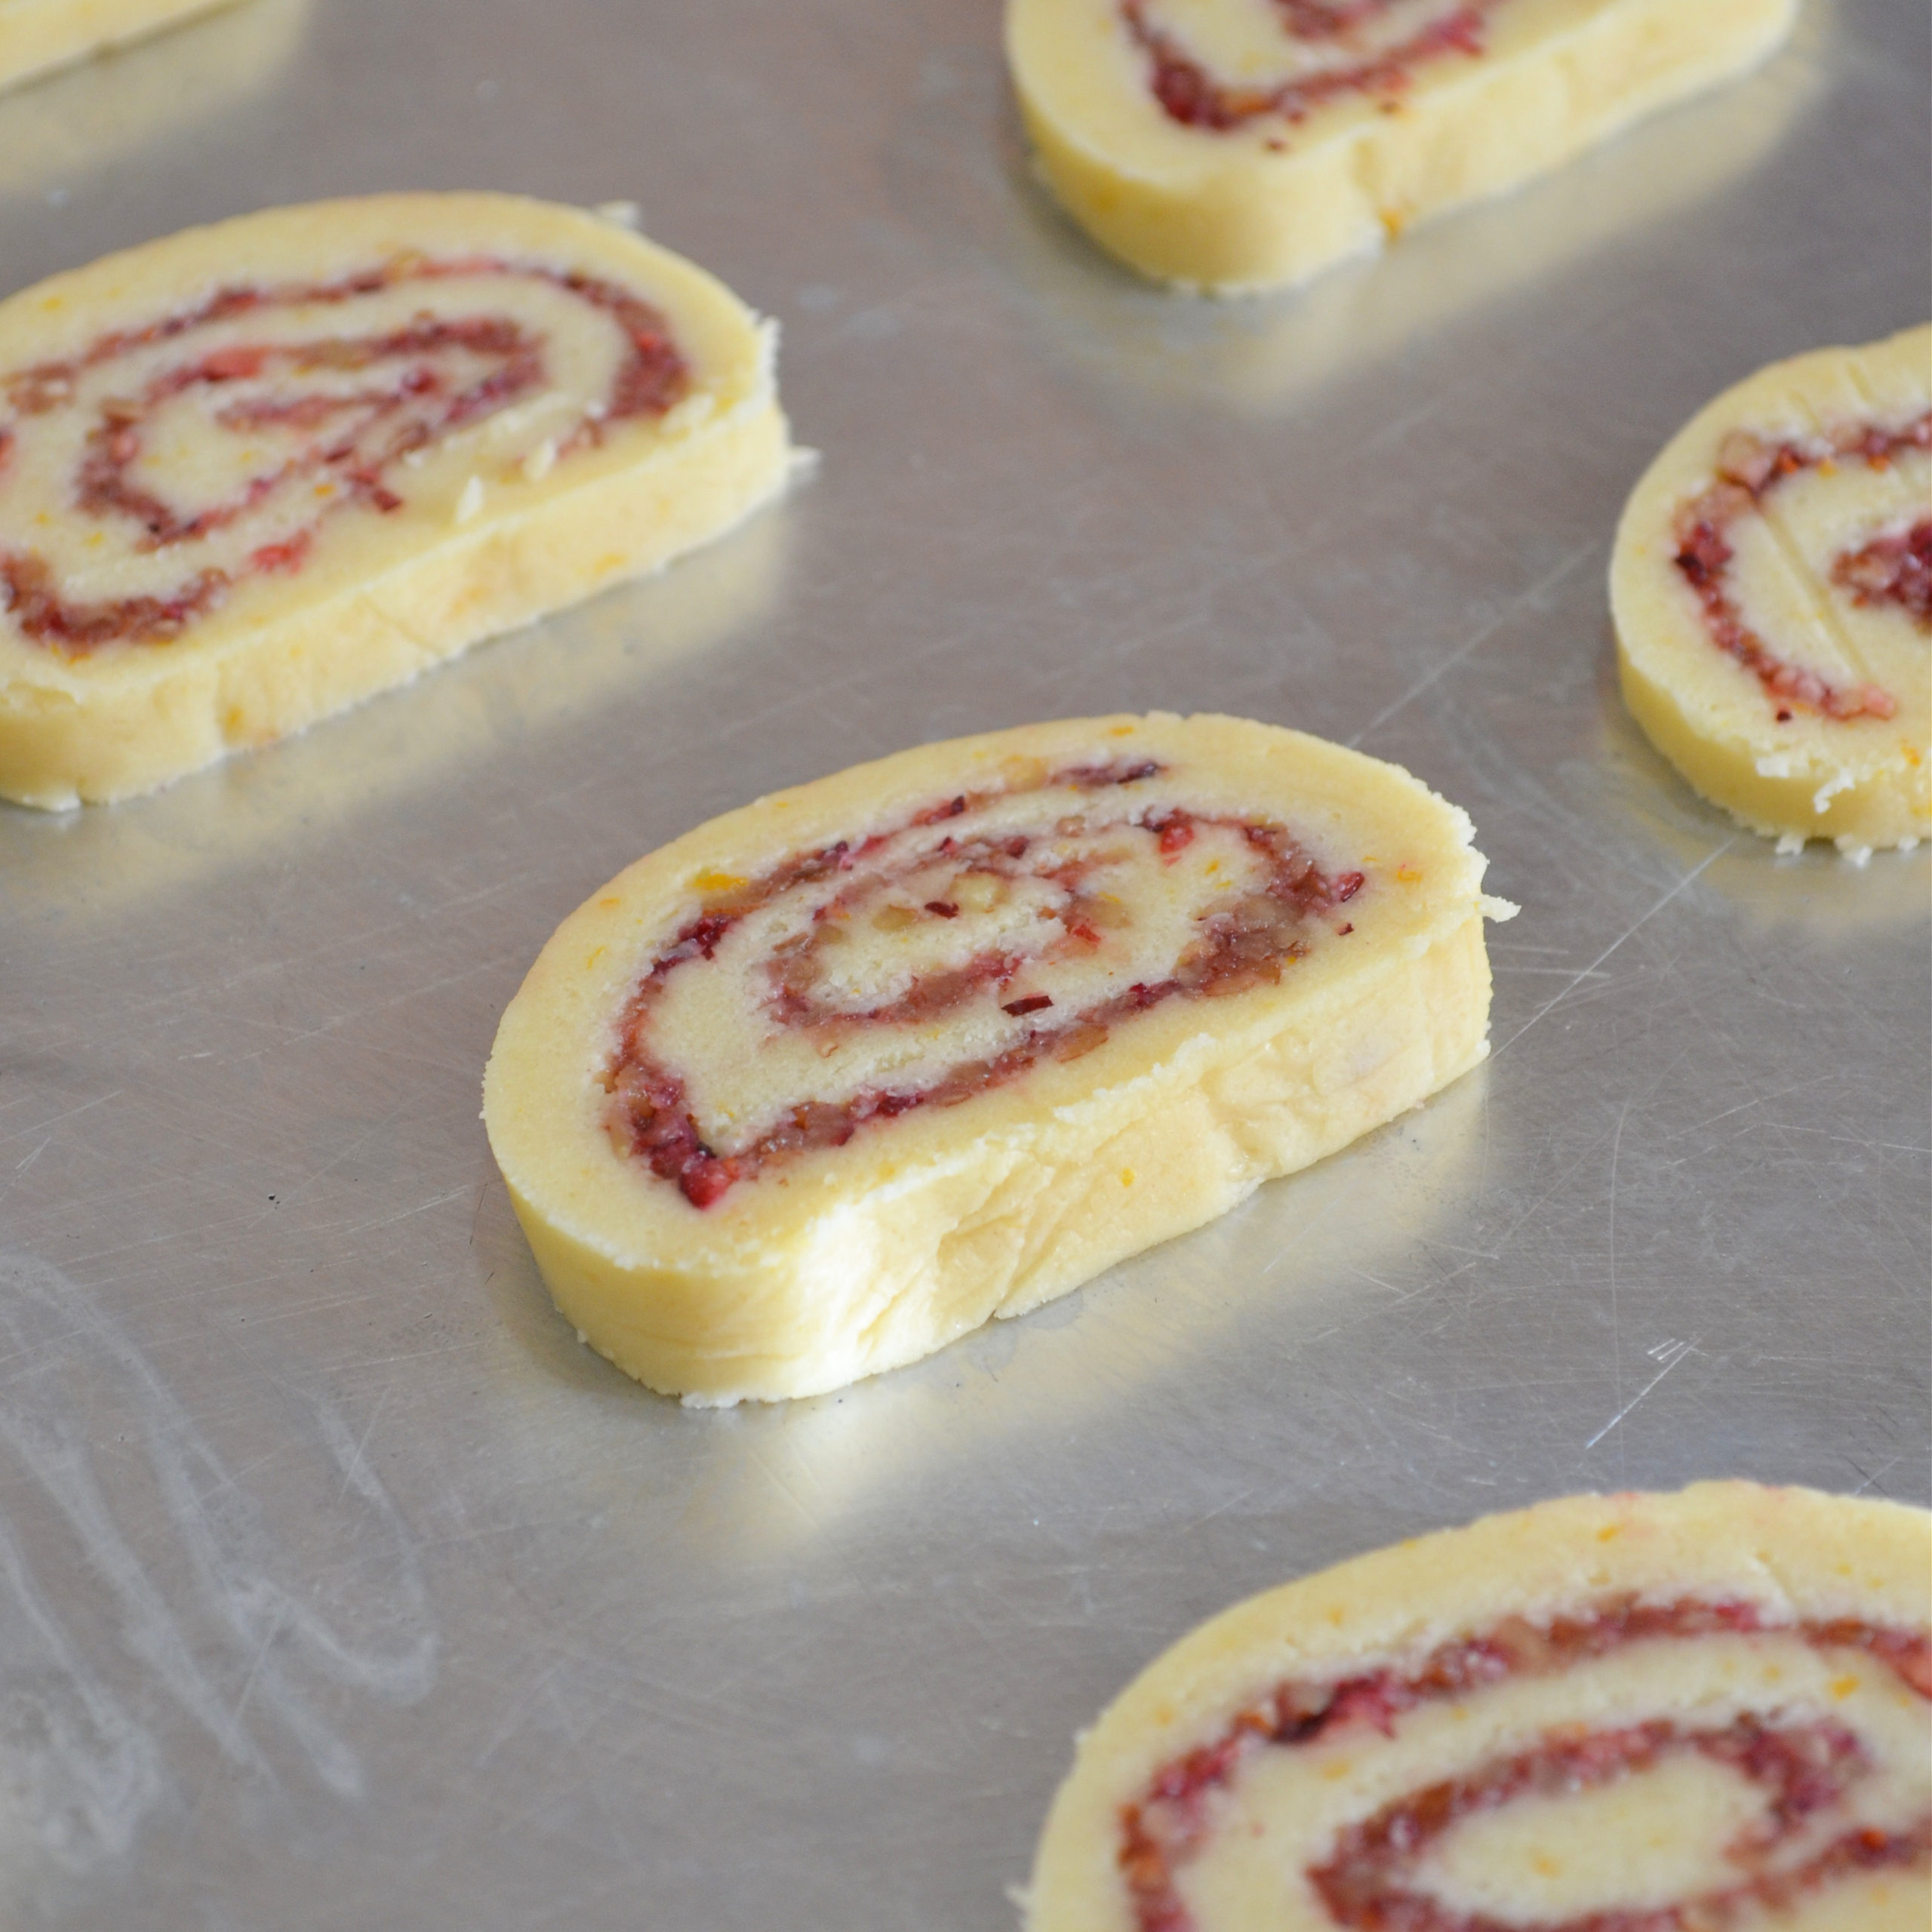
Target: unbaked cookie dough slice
{"points": [[1233, 145], [831, 1080], [254, 473], [1772, 585], [1700, 1712], [1772, 590], [37, 35]]}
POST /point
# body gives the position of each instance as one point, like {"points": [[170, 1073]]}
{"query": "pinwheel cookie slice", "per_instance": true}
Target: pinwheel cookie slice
{"points": [[1232, 145], [831, 1080], [36, 35], [1772, 585], [1699, 1712], [254, 473]]}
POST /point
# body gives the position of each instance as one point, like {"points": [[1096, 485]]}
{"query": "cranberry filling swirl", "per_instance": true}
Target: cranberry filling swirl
{"points": [[146, 477], [1892, 567], [1330, 50], [1805, 1769], [947, 955]]}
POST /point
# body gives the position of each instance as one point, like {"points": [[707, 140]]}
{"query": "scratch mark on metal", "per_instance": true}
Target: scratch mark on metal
{"points": [[1854, 1140], [1670, 1354], [1548, 581], [241, 1706], [86, 1106], [1592, 973], [1756, 1100], [403, 1214], [1403, 424], [784, 1488], [519, 1711], [1616, 1326], [1884, 1468], [355, 1465], [1550, 1005]]}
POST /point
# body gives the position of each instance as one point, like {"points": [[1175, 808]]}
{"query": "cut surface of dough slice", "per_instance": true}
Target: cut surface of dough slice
{"points": [[1232, 145], [1772, 586], [1703, 1710], [37, 35], [253, 473], [834, 1079]]}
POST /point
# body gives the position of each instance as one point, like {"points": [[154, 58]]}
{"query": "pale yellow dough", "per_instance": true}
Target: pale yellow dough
{"points": [[92, 115], [1660, 1834], [1863, 781], [846, 1261], [36, 35], [502, 518], [1271, 201]]}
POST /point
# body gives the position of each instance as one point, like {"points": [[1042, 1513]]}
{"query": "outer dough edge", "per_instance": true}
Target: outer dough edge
{"points": [[1888, 801], [37, 39], [1032, 1216], [884, 1253], [115, 726], [1798, 1552], [1215, 213]]}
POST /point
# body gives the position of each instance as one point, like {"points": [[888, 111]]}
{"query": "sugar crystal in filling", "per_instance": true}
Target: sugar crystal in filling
{"points": [[251, 473], [1634, 1714], [1236, 144], [940, 1037], [1773, 591]]}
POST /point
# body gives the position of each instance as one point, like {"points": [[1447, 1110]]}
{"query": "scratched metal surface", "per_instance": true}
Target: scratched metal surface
{"points": [[338, 1587]]}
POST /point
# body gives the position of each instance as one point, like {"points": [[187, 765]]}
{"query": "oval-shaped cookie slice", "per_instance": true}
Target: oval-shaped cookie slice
{"points": [[829, 1081], [254, 473], [1772, 585], [1606, 1714], [1234, 145]]}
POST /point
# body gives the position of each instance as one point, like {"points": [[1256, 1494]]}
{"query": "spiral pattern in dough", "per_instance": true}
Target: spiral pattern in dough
{"points": [[1707, 1711], [1772, 585], [1217, 66], [145, 477], [1801, 1746], [931, 961], [1888, 562]]}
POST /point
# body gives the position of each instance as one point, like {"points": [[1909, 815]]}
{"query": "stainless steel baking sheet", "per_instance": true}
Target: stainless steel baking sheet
{"points": [[339, 1586]]}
